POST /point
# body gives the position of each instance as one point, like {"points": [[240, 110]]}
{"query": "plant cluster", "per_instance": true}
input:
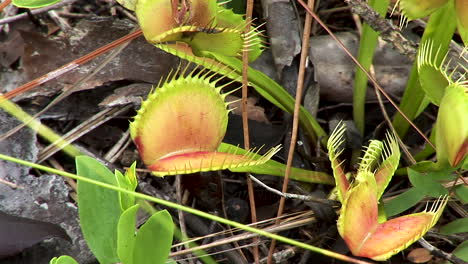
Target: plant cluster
{"points": [[206, 33]]}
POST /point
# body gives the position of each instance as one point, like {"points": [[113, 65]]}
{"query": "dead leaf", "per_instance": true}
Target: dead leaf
{"points": [[19, 233], [254, 112], [419, 255], [139, 61]]}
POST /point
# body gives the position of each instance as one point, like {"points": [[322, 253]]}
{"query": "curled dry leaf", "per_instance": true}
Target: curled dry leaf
{"points": [[419, 255], [254, 112]]}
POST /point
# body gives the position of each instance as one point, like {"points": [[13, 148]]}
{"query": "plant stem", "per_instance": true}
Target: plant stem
{"points": [[367, 46], [295, 126], [245, 125], [188, 210], [45, 132]]}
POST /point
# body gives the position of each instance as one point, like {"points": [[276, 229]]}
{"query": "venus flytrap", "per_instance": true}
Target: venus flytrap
{"points": [[452, 126], [414, 9], [206, 33], [452, 98], [179, 130], [180, 126], [365, 232]]}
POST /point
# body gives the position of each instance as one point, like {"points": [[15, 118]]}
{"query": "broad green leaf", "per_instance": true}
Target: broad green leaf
{"points": [[154, 239], [126, 235], [367, 46], [34, 3], [462, 193], [99, 209], [63, 260], [462, 251], [457, 226], [426, 183], [403, 201], [275, 168], [128, 182]]}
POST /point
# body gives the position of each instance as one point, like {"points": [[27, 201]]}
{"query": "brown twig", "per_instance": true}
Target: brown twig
{"points": [[387, 31], [183, 227], [297, 105], [4, 4], [245, 123], [70, 90], [69, 66]]}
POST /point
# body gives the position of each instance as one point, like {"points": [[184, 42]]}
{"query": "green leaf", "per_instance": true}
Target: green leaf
{"points": [[462, 251], [403, 201], [462, 193], [457, 226], [426, 183], [128, 182], [34, 3], [126, 234], [63, 260], [275, 168], [99, 209], [154, 239], [367, 46]]}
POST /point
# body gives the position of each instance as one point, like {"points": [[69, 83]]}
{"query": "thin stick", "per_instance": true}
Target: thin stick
{"points": [[69, 66], [376, 84], [12, 185], [281, 194], [4, 4], [183, 228], [297, 105], [389, 122], [72, 89], [245, 124], [176, 206]]}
